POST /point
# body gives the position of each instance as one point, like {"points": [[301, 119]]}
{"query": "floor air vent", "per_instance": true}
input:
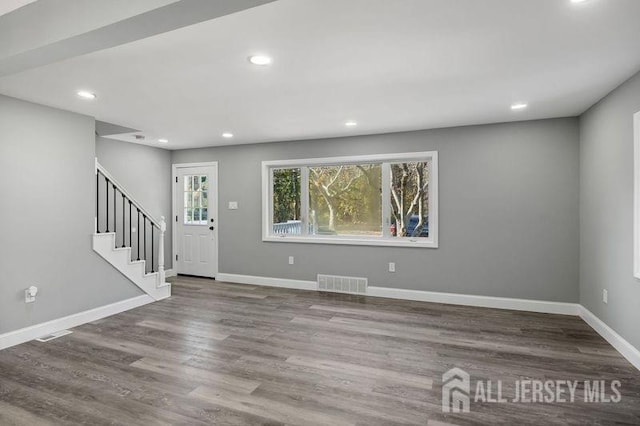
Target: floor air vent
{"points": [[338, 284], [52, 336]]}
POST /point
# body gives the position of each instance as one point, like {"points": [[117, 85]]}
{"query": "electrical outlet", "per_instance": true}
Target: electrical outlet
{"points": [[392, 266], [30, 294], [605, 296], [291, 260]]}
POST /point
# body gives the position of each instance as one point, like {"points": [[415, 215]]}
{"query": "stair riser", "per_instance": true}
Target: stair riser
{"points": [[104, 245]]}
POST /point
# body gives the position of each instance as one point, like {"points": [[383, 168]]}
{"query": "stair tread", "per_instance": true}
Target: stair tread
{"points": [[106, 246]]}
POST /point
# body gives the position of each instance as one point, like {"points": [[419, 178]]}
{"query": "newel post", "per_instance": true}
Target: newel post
{"points": [[163, 228]]}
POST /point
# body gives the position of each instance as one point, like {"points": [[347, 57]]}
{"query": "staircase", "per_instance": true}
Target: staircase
{"points": [[128, 237]]}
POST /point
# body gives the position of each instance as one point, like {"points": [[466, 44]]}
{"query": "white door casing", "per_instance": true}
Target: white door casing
{"points": [[195, 214]]}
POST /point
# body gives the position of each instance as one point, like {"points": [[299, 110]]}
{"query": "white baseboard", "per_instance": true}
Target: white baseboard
{"points": [[625, 348], [267, 281], [630, 352], [27, 334], [541, 306], [420, 295], [170, 273]]}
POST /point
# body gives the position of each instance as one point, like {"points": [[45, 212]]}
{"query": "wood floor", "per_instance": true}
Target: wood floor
{"points": [[217, 353]]}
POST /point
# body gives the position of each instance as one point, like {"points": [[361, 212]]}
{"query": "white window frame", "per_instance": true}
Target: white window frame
{"points": [[386, 239]]}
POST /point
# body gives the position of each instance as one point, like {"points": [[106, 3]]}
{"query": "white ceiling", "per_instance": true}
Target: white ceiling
{"points": [[7, 6], [390, 65]]}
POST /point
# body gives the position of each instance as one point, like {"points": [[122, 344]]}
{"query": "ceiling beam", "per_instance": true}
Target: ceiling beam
{"points": [[10, 5], [42, 32]]}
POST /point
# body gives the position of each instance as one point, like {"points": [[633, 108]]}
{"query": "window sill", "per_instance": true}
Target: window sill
{"points": [[354, 241]]}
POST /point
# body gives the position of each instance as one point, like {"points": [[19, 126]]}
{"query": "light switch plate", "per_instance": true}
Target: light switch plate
{"points": [[233, 205]]}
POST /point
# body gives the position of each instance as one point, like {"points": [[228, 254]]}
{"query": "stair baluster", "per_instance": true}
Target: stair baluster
{"points": [[124, 224], [144, 240], [115, 219], [130, 226], [138, 229], [107, 195], [152, 249]]}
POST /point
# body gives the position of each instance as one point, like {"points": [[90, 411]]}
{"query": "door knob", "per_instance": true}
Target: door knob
{"points": [[211, 228]]}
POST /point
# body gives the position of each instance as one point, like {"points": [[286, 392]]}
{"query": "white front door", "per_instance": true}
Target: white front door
{"points": [[196, 198]]}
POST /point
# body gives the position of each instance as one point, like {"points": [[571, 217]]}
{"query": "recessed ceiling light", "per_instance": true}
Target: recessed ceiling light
{"points": [[519, 106], [578, 1], [85, 94], [163, 140], [260, 60], [350, 123], [227, 135]]}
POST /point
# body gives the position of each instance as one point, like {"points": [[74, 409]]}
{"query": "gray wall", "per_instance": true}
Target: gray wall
{"points": [[145, 172], [508, 212], [47, 216], [606, 214]]}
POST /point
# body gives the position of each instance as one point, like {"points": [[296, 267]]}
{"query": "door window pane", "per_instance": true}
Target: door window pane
{"points": [[195, 199]]}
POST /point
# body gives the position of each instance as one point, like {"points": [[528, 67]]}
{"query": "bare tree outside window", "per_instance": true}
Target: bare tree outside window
{"points": [[345, 199], [410, 199]]}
